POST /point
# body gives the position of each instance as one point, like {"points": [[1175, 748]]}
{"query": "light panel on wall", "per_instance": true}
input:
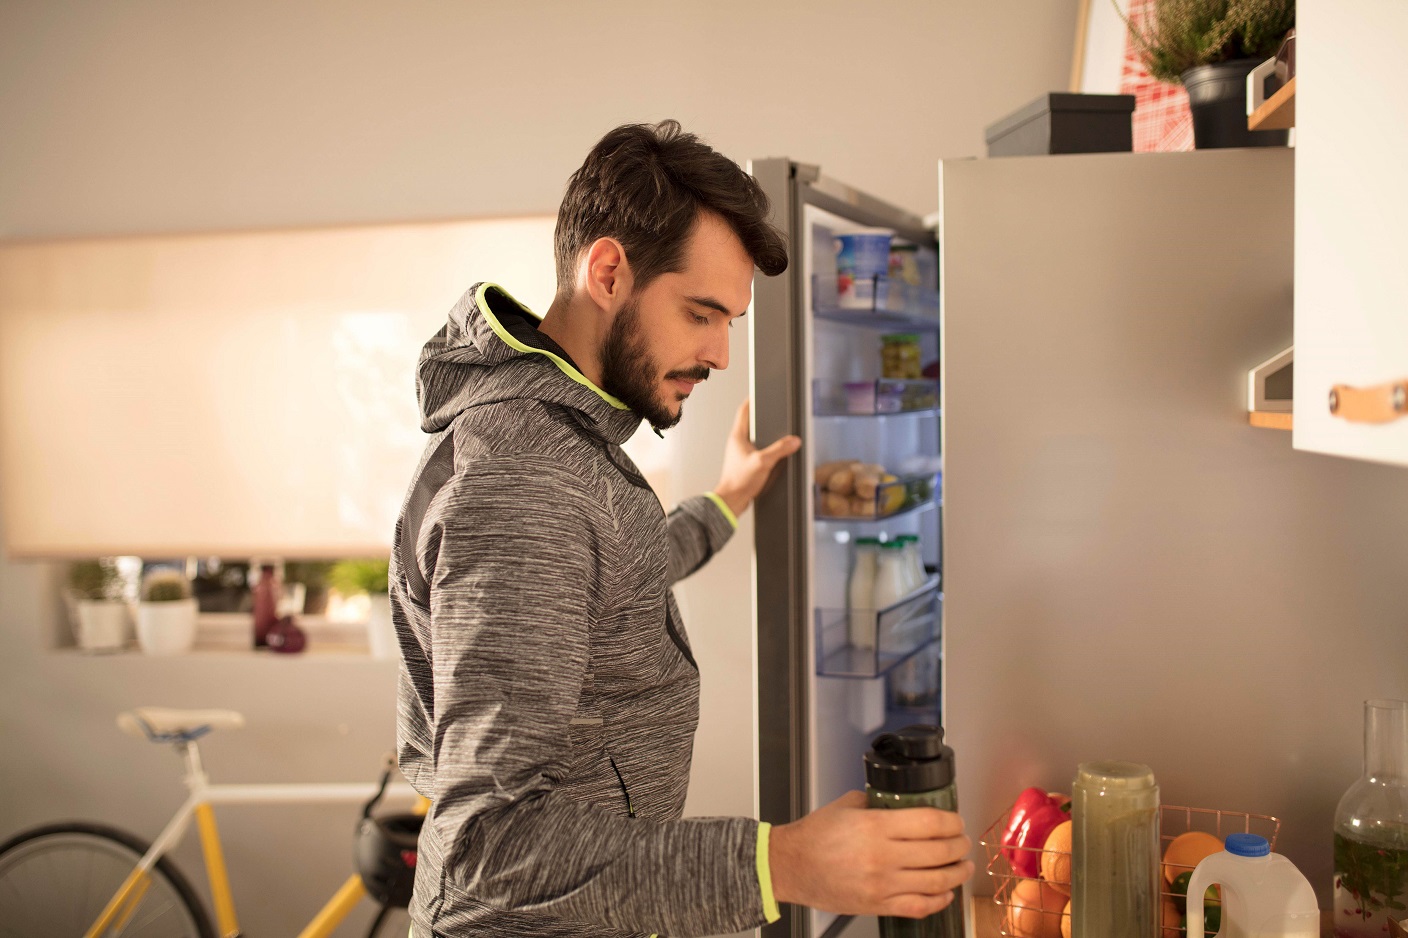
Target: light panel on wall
{"points": [[231, 394]]}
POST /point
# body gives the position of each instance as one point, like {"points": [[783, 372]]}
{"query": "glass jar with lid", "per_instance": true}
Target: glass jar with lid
{"points": [[899, 356]]}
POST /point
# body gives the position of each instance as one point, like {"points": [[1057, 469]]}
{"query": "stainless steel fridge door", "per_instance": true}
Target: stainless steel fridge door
{"points": [[781, 381]]}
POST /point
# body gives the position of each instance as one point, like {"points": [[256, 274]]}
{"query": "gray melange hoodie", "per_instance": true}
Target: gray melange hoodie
{"points": [[548, 696]]}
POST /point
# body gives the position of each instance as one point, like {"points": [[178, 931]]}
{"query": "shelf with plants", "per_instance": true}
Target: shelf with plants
{"points": [[881, 397], [1213, 51], [870, 643]]}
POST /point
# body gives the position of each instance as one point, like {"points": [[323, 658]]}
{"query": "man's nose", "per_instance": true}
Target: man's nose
{"points": [[716, 353]]}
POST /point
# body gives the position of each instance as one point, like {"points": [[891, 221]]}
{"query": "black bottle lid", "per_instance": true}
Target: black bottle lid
{"points": [[910, 760]]}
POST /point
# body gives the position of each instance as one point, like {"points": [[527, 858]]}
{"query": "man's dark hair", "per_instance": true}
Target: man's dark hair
{"points": [[645, 186]]}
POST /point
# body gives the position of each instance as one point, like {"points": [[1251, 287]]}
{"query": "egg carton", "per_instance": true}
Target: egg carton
{"points": [[1174, 821]]}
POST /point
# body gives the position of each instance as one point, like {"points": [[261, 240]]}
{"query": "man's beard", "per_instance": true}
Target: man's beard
{"points": [[629, 373]]}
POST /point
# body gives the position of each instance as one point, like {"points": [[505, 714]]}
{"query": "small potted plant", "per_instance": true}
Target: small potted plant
{"points": [[1209, 46], [98, 611], [166, 614], [313, 576], [353, 577]]}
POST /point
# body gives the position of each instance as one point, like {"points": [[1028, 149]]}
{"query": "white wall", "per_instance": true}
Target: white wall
{"points": [[165, 117]]}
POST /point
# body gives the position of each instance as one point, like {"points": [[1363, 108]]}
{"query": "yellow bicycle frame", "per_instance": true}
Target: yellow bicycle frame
{"points": [[130, 894]]}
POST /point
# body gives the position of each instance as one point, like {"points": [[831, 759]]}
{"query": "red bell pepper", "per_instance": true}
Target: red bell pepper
{"points": [[1032, 818]]}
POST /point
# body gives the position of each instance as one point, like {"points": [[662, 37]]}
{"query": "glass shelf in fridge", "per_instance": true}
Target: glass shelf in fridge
{"points": [[869, 643], [889, 499], [887, 303], [878, 398]]}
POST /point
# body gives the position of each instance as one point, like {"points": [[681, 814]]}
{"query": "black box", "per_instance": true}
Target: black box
{"points": [[1061, 122]]}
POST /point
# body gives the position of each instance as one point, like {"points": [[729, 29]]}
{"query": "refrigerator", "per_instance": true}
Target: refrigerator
{"points": [[1120, 566], [844, 654]]}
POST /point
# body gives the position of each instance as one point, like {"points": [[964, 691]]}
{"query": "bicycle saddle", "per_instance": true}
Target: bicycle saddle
{"points": [[161, 724]]}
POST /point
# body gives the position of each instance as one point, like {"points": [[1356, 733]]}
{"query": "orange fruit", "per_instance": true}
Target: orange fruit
{"points": [[1056, 858], [1034, 910], [1188, 850], [1172, 919], [1066, 921]]}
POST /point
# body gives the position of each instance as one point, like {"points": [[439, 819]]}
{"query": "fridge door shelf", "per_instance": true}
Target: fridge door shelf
{"points": [[877, 302], [880, 398], [913, 687], [866, 643], [891, 499]]}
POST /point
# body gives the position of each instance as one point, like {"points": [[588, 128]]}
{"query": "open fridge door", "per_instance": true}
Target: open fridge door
{"points": [[849, 541]]}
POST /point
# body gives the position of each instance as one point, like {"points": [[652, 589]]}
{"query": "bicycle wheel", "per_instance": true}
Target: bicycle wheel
{"points": [[56, 880]]}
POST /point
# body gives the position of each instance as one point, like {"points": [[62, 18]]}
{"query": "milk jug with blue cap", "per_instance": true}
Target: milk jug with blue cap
{"points": [[1263, 894]]}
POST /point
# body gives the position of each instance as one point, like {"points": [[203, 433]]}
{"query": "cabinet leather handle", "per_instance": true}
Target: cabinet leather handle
{"points": [[1380, 404]]}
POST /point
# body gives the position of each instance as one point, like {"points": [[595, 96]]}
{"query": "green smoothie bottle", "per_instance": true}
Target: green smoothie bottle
{"points": [[913, 768]]}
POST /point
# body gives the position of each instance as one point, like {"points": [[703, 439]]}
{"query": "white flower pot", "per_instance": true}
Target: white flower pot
{"points": [[381, 634], [167, 628], [102, 625]]}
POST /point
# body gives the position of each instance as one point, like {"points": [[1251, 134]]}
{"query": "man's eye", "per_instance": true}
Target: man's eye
{"points": [[702, 320]]}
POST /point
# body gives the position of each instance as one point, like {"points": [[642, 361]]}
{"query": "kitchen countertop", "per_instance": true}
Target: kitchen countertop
{"points": [[987, 920]]}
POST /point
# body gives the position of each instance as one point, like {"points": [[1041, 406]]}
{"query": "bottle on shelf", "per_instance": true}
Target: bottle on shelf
{"points": [[891, 585], [914, 685], [914, 560], [266, 602], [860, 592], [892, 575]]}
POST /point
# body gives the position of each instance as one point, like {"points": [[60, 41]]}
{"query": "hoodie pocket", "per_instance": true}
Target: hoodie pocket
{"points": [[675, 635], [625, 793]]}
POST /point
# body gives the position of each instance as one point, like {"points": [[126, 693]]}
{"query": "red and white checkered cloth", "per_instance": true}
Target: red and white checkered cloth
{"points": [[1162, 121]]}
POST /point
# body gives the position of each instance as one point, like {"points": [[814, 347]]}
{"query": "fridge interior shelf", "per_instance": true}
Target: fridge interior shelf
{"points": [[869, 643], [900, 496], [884, 303], [877, 398]]}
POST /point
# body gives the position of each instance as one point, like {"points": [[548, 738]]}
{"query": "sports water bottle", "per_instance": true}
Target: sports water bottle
{"points": [[907, 769]]}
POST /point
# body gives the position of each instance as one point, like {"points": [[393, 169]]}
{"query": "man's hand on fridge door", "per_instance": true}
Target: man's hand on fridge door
{"points": [[748, 470], [848, 859]]}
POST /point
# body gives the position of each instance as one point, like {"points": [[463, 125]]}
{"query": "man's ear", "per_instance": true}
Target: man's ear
{"points": [[607, 274]]}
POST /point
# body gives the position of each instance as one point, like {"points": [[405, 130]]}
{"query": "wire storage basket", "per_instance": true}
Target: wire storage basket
{"points": [[1030, 908]]}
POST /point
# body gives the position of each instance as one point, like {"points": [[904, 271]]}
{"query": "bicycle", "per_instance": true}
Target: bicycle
{"points": [[103, 881]]}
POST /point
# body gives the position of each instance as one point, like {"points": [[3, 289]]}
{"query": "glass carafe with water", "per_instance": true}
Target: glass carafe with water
{"points": [[1371, 829]]}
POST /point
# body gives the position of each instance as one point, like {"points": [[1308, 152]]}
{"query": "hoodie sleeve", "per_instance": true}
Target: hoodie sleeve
{"points": [[513, 571], [699, 528]]}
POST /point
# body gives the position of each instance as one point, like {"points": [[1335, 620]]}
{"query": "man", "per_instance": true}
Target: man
{"points": [[549, 696]]}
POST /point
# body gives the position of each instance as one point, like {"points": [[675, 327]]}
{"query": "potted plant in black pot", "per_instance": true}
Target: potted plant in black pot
{"points": [[1209, 46], [354, 577]]}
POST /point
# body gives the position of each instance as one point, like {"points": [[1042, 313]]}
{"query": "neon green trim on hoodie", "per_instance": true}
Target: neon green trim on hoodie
{"points": [[567, 369], [770, 910], [723, 506]]}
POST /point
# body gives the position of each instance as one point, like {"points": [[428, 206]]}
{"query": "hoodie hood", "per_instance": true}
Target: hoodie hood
{"points": [[491, 351]]}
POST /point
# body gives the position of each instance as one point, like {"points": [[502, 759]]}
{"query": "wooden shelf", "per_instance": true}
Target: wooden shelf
{"points": [[1269, 420], [1277, 112]]}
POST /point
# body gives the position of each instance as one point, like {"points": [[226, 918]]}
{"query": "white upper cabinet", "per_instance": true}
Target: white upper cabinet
{"points": [[1351, 283]]}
